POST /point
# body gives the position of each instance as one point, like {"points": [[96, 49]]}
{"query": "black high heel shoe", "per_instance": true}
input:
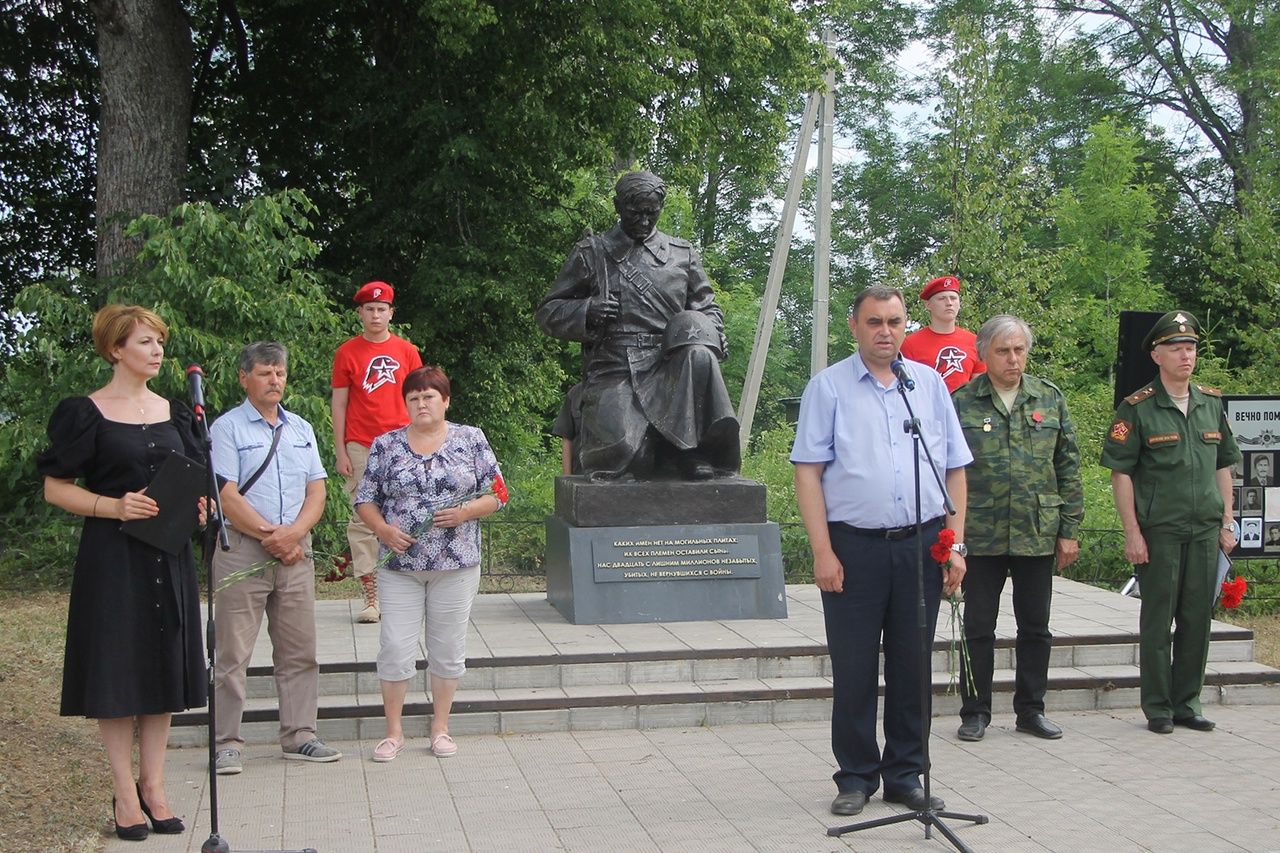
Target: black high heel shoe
{"points": [[137, 832], [168, 826]]}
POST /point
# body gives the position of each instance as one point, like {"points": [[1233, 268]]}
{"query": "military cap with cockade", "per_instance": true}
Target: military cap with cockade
{"points": [[1173, 328]]}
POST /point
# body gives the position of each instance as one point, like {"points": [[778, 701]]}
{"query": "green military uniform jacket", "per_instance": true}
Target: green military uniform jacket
{"points": [[1172, 459], [1024, 485]]}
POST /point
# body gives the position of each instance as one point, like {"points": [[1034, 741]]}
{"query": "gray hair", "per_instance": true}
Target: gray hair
{"points": [[262, 352], [1001, 326], [879, 292]]}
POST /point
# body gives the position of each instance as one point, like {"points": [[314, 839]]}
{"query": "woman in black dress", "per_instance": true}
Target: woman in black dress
{"points": [[134, 652]]}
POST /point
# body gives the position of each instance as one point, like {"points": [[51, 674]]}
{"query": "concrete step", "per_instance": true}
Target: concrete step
{"points": [[809, 661], [691, 702]]}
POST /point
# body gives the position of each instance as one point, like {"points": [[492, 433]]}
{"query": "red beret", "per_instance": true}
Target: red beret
{"points": [[376, 291], [942, 284]]}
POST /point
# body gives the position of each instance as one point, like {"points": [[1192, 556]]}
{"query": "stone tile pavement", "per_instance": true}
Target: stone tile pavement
{"points": [[1108, 785]]}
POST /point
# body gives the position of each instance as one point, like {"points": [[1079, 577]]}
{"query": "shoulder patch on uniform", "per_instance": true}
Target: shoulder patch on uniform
{"points": [[1163, 438], [1120, 431], [1139, 396], [1215, 392], [1050, 384], [676, 241]]}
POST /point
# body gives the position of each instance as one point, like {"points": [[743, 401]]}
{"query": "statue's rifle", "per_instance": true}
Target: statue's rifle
{"points": [[601, 269]]}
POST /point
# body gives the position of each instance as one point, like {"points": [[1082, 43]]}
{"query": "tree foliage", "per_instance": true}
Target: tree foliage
{"points": [[48, 116], [1104, 229], [219, 280], [458, 149]]}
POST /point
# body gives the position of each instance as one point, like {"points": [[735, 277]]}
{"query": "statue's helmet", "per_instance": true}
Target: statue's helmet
{"points": [[691, 328]]}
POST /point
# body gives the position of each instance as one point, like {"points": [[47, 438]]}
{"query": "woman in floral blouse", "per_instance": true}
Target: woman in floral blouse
{"points": [[423, 493]]}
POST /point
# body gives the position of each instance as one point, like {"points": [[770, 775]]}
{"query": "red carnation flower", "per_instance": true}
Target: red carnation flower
{"points": [[941, 550], [500, 490], [1233, 592]]}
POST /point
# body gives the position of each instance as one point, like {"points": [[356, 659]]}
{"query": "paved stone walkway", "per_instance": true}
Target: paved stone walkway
{"points": [[1108, 785]]}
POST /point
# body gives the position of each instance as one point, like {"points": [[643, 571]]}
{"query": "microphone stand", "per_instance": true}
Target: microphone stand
{"points": [[928, 815], [214, 530]]}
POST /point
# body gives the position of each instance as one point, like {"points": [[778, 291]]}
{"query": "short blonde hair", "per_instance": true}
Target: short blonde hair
{"points": [[113, 324]]}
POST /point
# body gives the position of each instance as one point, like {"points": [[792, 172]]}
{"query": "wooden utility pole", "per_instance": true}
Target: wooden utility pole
{"points": [[782, 247], [773, 284], [822, 224]]}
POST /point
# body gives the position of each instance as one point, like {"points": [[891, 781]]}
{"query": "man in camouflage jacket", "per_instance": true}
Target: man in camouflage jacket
{"points": [[1026, 503]]}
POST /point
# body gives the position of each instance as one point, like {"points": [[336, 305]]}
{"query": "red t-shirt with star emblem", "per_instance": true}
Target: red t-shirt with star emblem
{"points": [[953, 355], [372, 373]]}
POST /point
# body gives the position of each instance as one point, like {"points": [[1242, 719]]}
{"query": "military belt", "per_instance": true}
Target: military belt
{"points": [[893, 534], [633, 339]]}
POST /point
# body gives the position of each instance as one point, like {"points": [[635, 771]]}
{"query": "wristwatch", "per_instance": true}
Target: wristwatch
{"points": [[961, 549]]}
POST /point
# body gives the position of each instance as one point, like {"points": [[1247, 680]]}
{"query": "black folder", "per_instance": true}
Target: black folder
{"points": [[176, 487]]}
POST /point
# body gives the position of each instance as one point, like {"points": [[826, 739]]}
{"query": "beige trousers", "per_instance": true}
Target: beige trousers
{"points": [[287, 595], [364, 545]]}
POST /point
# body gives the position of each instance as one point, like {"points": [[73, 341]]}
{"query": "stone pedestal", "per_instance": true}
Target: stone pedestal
{"points": [[663, 551]]}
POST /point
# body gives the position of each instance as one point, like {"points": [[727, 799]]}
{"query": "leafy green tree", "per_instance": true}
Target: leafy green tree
{"points": [[1104, 227], [985, 172], [220, 280], [1211, 62], [48, 115]]}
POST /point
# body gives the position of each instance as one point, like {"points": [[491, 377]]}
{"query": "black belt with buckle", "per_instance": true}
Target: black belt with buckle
{"points": [[893, 534], [632, 339]]}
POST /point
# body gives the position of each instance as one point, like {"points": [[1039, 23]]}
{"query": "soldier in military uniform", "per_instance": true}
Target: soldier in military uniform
{"points": [[1026, 503], [653, 339], [1170, 452]]}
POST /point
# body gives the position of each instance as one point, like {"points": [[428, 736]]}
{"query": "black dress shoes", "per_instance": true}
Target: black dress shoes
{"points": [[135, 832], [848, 802], [972, 729], [1160, 725], [1197, 722], [163, 826], [1039, 726], [913, 798]]}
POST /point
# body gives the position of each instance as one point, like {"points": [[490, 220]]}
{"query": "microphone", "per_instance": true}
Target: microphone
{"points": [[195, 385], [899, 370]]}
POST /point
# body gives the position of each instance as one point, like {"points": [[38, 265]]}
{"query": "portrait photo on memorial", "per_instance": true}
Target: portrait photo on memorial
{"points": [[1237, 472], [1250, 533], [1262, 469], [1249, 500], [1271, 542]]}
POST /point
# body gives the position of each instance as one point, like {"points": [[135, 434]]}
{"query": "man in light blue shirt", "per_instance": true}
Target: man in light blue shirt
{"points": [[273, 493], [855, 487]]}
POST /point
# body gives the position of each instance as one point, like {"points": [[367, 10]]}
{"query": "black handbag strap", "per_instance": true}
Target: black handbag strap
{"points": [[271, 454]]}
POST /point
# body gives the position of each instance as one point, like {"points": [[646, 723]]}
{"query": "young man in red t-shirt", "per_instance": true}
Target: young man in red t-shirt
{"points": [[944, 346], [367, 372]]}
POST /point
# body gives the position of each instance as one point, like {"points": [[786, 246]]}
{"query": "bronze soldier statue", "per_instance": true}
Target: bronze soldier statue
{"points": [[653, 402]]}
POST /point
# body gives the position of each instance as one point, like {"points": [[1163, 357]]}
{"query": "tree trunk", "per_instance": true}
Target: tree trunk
{"points": [[144, 58]]}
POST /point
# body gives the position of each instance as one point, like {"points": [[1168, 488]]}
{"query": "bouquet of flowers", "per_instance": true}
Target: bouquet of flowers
{"points": [[498, 490], [341, 561], [957, 646]]}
